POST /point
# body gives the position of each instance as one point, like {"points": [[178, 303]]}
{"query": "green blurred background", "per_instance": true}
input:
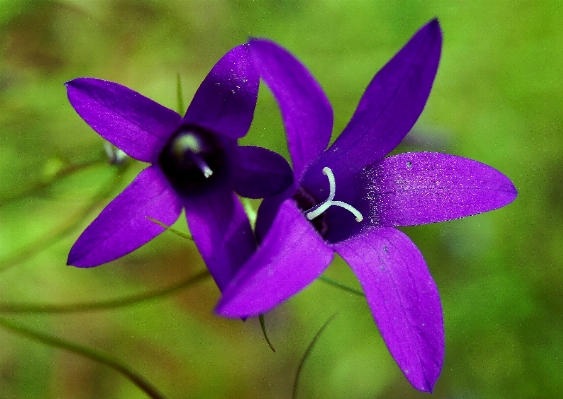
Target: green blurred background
{"points": [[498, 98]]}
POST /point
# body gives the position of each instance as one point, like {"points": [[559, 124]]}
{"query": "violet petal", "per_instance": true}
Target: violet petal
{"points": [[225, 101], [389, 107], [123, 226], [403, 299], [130, 121], [260, 173], [305, 109], [268, 210], [221, 232], [427, 187], [291, 256]]}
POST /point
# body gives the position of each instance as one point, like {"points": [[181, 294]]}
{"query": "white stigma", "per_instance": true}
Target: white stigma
{"points": [[319, 209], [189, 143], [206, 170]]}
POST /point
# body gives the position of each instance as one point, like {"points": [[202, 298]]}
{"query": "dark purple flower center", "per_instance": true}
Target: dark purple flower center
{"points": [[305, 201], [193, 160]]}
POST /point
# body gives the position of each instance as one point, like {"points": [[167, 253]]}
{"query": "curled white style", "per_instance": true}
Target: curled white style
{"points": [[323, 206]]}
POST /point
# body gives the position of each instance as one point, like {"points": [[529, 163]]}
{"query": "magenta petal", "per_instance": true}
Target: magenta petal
{"points": [[123, 226], [403, 299], [291, 256], [130, 121], [427, 187], [305, 109], [390, 105], [225, 100], [221, 232], [260, 173]]}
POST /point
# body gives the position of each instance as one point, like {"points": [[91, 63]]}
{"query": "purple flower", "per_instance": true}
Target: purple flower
{"points": [[349, 198], [196, 164]]}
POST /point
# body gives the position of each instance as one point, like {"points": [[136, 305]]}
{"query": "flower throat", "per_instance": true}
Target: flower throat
{"points": [[315, 211], [192, 160]]}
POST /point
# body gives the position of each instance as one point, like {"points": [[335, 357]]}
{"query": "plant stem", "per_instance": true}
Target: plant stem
{"points": [[90, 353]]}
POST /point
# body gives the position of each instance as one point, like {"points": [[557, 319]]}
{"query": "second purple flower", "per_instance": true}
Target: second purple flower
{"points": [[348, 199]]}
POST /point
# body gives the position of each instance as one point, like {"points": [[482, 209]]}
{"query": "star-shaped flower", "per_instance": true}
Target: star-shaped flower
{"points": [[196, 164], [349, 199]]}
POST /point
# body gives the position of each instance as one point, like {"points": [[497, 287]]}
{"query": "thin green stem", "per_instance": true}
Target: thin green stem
{"points": [[62, 173], [102, 305], [341, 286], [180, 94], [263, 326], [307, 353], [54, 235], [170, 229], [90, 353]]}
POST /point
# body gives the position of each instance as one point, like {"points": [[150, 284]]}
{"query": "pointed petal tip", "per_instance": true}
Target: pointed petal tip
{"points": [[257, 40], [507, 187], [424, 386], [72, 83], [434, 27], [432, 31], [512, 190], [224, 310], [73, 259], [77, 81], [80, 257], [433, 24], [77, 260], [425, 383], [230, 307]]}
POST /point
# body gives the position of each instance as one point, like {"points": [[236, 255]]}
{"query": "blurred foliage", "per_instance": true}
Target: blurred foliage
{"points": [[497, 98]]}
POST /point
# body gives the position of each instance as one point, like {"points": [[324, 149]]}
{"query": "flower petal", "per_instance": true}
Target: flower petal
{"points": [[427, 187], [260, 173], [130, 121], [268, 210], [389, 107], [305, 109], [291, 256], [403, 299], [123, 226], [221, 232], [225, 100]]}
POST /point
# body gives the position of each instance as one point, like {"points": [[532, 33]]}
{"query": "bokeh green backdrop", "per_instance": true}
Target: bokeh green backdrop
{"points": [[498, 98]]}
